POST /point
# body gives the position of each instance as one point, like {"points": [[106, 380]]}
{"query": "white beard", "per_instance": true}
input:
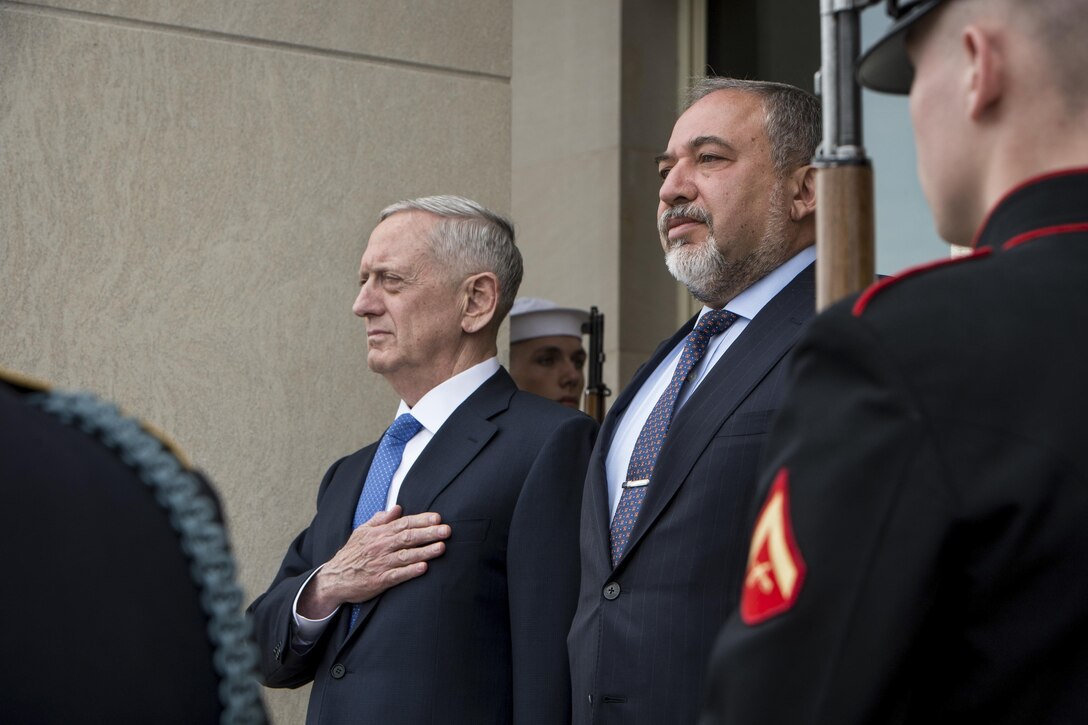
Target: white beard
{"points": [[714, 280]]}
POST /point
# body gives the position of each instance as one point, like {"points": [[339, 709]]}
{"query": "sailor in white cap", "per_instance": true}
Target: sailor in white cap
{"points": [[546, 353]]}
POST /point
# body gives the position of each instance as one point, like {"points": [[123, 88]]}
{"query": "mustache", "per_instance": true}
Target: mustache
{"points": [[688, 211]]}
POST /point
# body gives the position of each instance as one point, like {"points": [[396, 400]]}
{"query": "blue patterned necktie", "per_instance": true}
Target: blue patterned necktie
{"points": [[652, 435], [385, 464]]}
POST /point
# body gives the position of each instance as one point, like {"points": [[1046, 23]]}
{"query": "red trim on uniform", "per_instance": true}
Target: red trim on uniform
{"points": [[867, 296], [776, 571], [1045, 232], [1023, 184]]}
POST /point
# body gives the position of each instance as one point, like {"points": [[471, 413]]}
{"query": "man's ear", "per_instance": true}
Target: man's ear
{"points": [[985, 70], [481, 299], [803, 186]]}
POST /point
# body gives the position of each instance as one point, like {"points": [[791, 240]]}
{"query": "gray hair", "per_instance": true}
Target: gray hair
{"points": [[791, 117], [469, 238]]}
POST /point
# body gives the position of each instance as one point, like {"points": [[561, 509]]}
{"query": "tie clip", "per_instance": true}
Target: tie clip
{"points": [[636, 484]]}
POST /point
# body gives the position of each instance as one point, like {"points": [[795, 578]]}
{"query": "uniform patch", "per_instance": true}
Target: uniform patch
{"points": [[776, 570]]}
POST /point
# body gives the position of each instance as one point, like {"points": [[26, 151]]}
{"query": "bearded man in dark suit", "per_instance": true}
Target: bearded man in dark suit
{"points": [[665, 515]]}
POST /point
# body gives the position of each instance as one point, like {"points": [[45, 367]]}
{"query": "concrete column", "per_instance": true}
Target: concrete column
{"points": [[594, 99]]}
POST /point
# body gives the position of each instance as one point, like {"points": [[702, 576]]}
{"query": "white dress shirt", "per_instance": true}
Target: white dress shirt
{"points": [[432, 410], [745, 305]]}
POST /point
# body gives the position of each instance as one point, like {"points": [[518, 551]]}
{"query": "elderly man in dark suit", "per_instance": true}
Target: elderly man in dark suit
{"points": [[434, 583], [664, 519]]}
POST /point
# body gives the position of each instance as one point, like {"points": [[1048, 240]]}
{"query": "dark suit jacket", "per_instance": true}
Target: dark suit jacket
{"points": [[478, 638], [934, 452], [640, 657]]}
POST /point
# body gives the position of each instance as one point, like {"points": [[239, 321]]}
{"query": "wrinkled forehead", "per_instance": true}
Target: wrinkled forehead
{"points": [[403, 237], [564, 345], [409, 224], [735, 117]]}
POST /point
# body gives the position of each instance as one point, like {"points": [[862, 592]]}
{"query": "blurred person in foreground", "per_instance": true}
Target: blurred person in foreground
{"points": [[120, 598]]}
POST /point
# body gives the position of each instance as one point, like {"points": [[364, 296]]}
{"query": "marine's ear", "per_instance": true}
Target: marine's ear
{"points": [[985, 70]]}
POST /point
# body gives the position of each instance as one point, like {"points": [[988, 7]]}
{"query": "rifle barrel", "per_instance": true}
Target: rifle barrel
{"points": [[844, 178], [596, 390]]}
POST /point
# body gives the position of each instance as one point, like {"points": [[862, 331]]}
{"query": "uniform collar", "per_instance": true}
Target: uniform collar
{"points": [[1050, 200]]}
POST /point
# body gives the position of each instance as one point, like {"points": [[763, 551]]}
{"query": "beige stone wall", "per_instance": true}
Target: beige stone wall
{"points": [[594, 100], [188, 187], [566, 155]]}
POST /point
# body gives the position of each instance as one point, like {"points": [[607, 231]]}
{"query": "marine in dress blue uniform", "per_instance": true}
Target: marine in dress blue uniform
{"points": [[920, 553]]}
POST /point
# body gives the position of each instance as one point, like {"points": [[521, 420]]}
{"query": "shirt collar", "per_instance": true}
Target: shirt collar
{"points": [[434, 408]]}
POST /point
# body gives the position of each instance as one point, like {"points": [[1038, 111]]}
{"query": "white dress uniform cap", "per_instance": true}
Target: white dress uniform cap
{"points": [[533, 317]]}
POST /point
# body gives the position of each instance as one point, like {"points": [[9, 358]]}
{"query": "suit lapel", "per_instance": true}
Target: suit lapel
{"points": [[457, 442], [763, 343], [597, 475], [344, 497], [597, 497]]}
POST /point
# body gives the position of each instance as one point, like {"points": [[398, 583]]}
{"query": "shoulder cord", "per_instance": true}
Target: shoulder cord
{"points": [[203, 540]]}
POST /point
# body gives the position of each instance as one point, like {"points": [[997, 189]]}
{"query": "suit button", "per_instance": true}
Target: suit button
{"points": [[337, 671], [611, 590]]}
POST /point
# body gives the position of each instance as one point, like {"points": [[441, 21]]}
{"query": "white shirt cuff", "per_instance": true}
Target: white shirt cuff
{"points": [[308, 631]]}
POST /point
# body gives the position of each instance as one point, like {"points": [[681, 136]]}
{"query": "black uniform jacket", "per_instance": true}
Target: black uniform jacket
{"points": [[479, 638], [922, 556], [105, 620]]}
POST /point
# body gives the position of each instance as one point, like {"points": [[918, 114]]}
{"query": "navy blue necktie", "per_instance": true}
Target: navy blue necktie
{"points": [[652, 436], [385, 464]]}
